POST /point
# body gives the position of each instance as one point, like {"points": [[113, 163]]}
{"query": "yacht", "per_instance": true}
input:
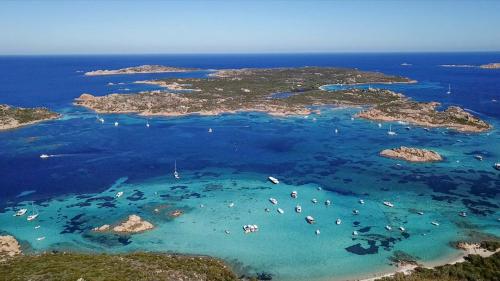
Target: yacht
{"points": [[388, 204], [420, 213], [355, 233], [328, 203], [34, 213], [280, 211], [274, 201], [361, 201], [388, 227], [435, 223], [314, 200], [478, 157], [317, 232], [20, 212], [298, 209], [119, 194], [40, 238], [402, 229], [497, 166], [449, 89], [176, 174], [462, 214], [274, 180], [43, 156], [293, 194], [355, 212], [116, 123], [310, 220], [338, 221], [391, 132]]}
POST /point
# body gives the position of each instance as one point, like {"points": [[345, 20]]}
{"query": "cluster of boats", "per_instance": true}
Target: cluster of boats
{"points": [[249, 228]]}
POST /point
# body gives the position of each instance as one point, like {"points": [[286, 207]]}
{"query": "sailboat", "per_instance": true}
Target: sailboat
{"points": [[449, 89], [34, 214], [391, 132], [176, 174], [147, 124]]}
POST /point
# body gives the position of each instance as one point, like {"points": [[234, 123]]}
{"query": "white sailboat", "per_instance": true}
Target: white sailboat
{"points": [[449, 89], [391, 132], [34, 213], [176, 174], [147, 124]]}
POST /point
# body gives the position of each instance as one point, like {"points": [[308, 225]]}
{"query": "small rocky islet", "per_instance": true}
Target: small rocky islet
{"points": [[412, 154], [12, 117]]}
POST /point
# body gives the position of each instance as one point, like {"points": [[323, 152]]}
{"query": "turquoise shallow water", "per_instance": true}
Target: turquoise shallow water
{"points": [[74, 190]]}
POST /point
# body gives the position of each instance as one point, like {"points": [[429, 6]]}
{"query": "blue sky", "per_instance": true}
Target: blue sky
{"points": [[99, 27]]}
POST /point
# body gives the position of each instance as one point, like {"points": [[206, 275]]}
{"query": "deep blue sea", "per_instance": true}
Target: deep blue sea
{"points": [[74, 190]]}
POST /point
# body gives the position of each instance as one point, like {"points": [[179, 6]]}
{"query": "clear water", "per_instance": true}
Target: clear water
{"points": [[74, 190]]}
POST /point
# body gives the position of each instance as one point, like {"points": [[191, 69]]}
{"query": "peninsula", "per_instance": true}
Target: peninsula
{"points": [[411, 154], [138, 70], [282, 92], [15, 117]]}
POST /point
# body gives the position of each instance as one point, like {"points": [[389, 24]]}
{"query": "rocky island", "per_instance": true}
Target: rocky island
{"points": [[138, 70], [134, 224], [282, 91], [15, 117], [494, 65], [411, 154]]}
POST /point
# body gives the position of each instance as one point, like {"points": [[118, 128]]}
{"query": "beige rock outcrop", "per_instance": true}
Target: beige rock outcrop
{"points": [[412, 154], [9, 247], [133, 224]]}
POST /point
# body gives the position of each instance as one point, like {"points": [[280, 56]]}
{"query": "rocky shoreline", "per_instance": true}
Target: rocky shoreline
{"points": [[16, 117], [411, 154], [9, 247], [142, 69]]}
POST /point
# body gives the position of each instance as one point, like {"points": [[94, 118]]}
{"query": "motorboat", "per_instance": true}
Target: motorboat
{"points": [[248, 228], [314, 200], [20, 212], [34, 213], [420, 213], [361, 201], [116, 124], [462, 214], [310, 220], [435, 223], [273, 200], [37, 227], [294, 194], [44, 156], [355, 233], [319, 188], [231, 205], [379, 125], [388, 204], [355, 212], [328, 202], [267, 210], [298, 209], [274, 180], [119, 194], [402, 229], [280, 211], [147, 124], [388, 227], [478, 157], [210, 130], [338, 221], [40, 238], [317, 232], [497, 166]]}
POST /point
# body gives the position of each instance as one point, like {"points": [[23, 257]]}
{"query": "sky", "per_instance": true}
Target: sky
{"points": [[261, 26]]}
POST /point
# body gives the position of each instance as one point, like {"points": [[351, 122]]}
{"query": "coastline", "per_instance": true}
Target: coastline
{"points": [[20, 125]]}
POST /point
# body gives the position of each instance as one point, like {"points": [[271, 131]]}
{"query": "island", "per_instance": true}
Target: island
{"points": [[134, 224], [411, 154], [493, 65], [14, 117], [283, 92], [142, 69]]}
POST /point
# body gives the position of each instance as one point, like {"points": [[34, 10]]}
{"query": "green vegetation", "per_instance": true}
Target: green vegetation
{"points": [[491, 245], [122, 267], [475, 268], [12, 117]]}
